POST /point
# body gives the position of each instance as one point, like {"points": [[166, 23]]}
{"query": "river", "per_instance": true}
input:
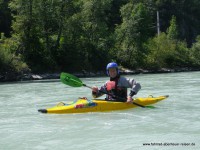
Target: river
{"points": [[174, 124]]}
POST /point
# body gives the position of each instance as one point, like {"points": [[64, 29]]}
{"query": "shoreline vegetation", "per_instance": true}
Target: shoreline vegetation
{"points": [[39, 39], [84, 74]]}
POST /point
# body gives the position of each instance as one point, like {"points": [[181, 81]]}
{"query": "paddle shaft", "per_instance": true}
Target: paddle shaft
{"points": [[87, 86]]}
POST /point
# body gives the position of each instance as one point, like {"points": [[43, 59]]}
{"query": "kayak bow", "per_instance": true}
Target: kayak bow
{"points": [[83, 105]]}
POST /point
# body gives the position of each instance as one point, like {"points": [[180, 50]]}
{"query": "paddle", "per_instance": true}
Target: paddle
{"points": [[73, 81]]}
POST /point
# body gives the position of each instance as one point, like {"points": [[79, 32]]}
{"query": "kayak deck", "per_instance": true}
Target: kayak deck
{"points": [[84, 105]]}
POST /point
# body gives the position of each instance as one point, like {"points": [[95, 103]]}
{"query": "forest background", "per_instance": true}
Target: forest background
{"points": [[41, 36]]}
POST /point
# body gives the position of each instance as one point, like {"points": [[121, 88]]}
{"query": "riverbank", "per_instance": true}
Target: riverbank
{"points": [[9, 77]]}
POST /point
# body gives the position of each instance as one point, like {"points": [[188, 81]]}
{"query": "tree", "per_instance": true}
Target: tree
{"points": [[187, 14], [38, 26], [5, 18], [74, 35], [94, 37], [132, 33], [172, 31]]}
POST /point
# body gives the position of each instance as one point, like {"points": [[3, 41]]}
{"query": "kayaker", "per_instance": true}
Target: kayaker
{"points": [[116, 88]]}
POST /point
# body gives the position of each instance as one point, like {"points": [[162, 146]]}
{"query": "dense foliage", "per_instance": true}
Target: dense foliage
{"points": [[76, 35]]}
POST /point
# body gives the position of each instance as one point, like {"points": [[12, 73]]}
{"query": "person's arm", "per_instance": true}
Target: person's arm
{"points": [[97, 92], [135, 87]]}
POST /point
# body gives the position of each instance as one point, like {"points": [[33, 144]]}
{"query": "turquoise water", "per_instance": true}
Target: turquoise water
{"points": [[174, 124]]}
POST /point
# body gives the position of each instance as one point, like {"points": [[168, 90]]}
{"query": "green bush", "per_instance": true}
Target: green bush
{"points": [[9, 61], [160, 49], [195, 52], [165, 52]]}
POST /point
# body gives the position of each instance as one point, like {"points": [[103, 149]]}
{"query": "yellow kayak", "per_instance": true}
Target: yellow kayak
{"points": [[84, 105]]}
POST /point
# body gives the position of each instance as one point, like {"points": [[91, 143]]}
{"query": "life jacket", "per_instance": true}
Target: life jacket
{"points": [[114, 90]]}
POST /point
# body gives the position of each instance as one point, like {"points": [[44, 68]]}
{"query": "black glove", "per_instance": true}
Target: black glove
{"points": [[132, 93]]}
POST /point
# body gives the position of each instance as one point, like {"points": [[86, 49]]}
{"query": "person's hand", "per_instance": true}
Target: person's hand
{"points": [[129, 100], [94, 89]]}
